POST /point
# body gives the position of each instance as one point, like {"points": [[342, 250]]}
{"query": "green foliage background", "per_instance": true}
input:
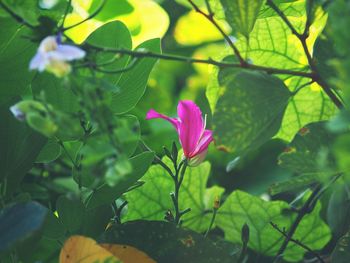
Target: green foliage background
{"points": [[278, 110]]}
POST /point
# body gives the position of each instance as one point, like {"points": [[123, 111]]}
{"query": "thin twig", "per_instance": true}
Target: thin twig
{"points": [[69, 4], [297, 242], [305, 209], [149, 54], [15, 16], [302, 38], [98, 10], [301, 87], [210, 18]]}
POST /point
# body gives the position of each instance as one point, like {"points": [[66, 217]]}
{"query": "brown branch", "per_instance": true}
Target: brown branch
{"points": [[302, 38], [210, 17], [149, 54]]}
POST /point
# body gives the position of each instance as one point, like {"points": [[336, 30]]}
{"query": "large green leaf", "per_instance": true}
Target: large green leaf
{"points": [[250, 111], [111, 35], [310, 104], [309, 152], [240, 208], [165, 242], [20, 146], [152, 200], [15, 55], [133, 82], [19, 222], [241, 15], [105, 194]]}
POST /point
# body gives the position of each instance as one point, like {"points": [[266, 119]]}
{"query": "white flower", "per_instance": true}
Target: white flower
{"points": [[53, 56]]}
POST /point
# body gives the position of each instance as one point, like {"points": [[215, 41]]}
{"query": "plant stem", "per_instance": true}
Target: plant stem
{"points": [[15, 16], [297, 242], [149, 54], [305, 209], [178, 179]]}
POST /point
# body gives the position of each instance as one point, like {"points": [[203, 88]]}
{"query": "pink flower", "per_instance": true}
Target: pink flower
{"points": [[190, 126]]}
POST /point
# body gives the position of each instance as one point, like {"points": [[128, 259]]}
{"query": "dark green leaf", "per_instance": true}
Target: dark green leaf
{"points": [[105, 194], [167, 243], [20, 147], [133, 82], [341, 253], [50, 152], [309, 152], [249, 112], [15, 55], [71, 212]]}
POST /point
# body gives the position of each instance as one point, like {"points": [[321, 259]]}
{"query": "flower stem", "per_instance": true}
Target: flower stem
{"points": [[178, 179]]}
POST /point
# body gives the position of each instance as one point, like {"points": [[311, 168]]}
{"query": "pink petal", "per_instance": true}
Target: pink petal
{"points": [[203, 143], [191, 125], [67, 53], [152, 114], [198, 159]]}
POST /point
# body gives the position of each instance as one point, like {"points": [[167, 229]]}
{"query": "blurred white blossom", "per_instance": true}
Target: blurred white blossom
{"points": [[53, 56]]}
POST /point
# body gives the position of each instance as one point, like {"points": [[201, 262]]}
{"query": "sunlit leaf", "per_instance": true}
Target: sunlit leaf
{"points": [[241, 15], [152, 200], [240, 208]]}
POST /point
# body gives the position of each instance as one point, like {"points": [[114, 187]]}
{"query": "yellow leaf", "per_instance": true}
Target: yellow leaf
{"points": [[148, 20], [128, 254], [85, 250]]}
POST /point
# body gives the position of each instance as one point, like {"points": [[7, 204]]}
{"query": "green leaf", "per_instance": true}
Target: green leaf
{"points": [[241, 15], [57, 92], [19, 222], [111, 9], [292, 184], [167, 243], [341, 253], [105, 194], [338, 210], [310, 104], [309, 151], [50, 152], [15, 55], [240, 208], [152, 200], [133, 82], [111, 35], [20, 147], [250, 111], [341, 149], [53, 227], [71, 212]]}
